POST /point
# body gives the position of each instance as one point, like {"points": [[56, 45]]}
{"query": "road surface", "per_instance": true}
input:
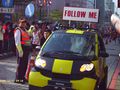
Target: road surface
{"points": [[8, 69]]}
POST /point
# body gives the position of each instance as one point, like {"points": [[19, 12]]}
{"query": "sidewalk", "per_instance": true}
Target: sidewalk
{"points": [[115, 85], [6, 55], [113, 65], [118, 80], [118, 83], [113, 62]]}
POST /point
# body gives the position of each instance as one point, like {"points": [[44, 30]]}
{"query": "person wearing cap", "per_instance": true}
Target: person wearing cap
{"points": [[23, 44]]}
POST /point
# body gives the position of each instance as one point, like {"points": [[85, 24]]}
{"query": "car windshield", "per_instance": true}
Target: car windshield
{"points": [[70, 44]]}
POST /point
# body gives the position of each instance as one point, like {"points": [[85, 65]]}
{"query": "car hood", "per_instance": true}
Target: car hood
{"points": [[62, 66]]}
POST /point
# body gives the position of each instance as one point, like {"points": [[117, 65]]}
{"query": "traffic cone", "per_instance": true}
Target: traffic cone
{"points": [[31, 63]]}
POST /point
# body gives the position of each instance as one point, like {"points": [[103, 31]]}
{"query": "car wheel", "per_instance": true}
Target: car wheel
{"points": [[103, 84], [34, 88]]}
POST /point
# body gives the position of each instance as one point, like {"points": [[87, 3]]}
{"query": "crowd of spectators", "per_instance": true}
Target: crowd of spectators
{"points": [[7, 42], [7, 38]]}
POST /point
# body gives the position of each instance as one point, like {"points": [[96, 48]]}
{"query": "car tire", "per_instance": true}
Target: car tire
{"points": [[34, 88], [103, 84]]}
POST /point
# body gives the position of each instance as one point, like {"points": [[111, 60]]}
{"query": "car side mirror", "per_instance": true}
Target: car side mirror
{"points": [[95, 57], [103, 54]]}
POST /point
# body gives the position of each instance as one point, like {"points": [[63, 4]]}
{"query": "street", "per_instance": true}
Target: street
{"points": [[75, 48], [113, 49], [7, 75], [8, 68]]}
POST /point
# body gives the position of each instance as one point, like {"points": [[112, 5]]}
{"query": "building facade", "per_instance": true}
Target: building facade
{"points": [[106, 7], [109, 10]]}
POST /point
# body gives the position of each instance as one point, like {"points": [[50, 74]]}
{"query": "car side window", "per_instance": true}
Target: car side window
{"points": [[92, 50]]}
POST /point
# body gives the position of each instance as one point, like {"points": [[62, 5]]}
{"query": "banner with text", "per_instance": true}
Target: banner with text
{"points": [[80, 14]]}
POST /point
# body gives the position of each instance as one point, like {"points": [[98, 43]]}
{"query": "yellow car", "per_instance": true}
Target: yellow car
{"points": [[70, 60]]}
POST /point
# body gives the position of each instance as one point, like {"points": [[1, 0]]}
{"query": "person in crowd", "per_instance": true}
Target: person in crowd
{"points": [[44, 36], [23, 45], [11, 38], [43, 27], [6, 37], [35, 39], [31, 29], [47, 33], [1, 39]]}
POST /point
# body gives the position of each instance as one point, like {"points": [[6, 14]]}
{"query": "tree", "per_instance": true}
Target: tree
{"points": [[56, 15]]}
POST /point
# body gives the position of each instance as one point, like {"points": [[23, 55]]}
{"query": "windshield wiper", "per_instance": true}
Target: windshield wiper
{"points": [[50, 53], [53, 54], [68, 52]]}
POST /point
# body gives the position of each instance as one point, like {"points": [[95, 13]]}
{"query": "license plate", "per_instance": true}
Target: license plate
{"points": [[60, 84]]}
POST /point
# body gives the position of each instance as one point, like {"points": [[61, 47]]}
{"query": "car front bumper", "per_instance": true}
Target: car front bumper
{"points": [[36, 79]]}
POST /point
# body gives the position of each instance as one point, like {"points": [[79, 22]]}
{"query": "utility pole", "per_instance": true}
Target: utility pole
{"points": [[49, 2], [40, 4], [94, 3]]}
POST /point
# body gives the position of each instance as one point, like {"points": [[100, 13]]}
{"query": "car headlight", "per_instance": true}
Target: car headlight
{"points": [[40, 63], [86, 67]]}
